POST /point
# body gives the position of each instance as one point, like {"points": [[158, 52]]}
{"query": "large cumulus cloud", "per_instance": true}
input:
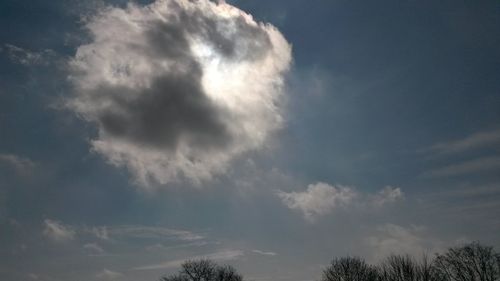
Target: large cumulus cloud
{"points": [[179, 88]]}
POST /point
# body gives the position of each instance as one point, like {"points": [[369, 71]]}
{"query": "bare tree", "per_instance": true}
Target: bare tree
{"points": [[204, 270], [472, 262], [405, 268], [349, 269], [399, 268], [227, 273]]}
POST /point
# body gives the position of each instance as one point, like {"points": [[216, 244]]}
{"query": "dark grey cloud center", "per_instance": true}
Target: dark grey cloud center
{"points": [[175, 106]]}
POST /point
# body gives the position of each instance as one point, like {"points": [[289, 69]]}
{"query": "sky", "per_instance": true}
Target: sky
{"points": [[269, 135]]}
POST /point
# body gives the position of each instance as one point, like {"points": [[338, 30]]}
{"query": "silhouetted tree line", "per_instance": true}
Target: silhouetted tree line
{"points": [[204, 270], [471, 262]]}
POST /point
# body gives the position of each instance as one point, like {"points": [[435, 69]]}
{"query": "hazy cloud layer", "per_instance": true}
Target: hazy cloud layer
{"points": [[396, 239], [100, 232], [178, 88], [322, 198], [20, 164]]}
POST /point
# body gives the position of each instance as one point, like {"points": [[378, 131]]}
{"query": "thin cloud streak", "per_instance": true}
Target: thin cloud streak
{"points": [[264, 253], [483, 164], [152, 232], [107, 274], [473, 141]]}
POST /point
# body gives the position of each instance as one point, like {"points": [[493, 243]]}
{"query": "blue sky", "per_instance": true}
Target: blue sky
{"points": [[369, 128]]}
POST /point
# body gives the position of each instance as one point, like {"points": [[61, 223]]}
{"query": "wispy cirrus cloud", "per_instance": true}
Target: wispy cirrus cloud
{"points": [[473, 141], [478, 165], [59, 231], [484, 158], [28, 57], [161, 247], [151, 232]]}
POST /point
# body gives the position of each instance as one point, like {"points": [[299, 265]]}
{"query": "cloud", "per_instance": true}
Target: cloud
{"points": [[114, 233], [469, 201], [107, 274], [161, 247], [20, 164], [57, 231], [217, 256], [152, 232], [395, 239], [483, 164], [100, 232], [178, 88], [26, 57], [474, 141], [93, 249], [387, 195], [321, 198], [264, 253]]}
